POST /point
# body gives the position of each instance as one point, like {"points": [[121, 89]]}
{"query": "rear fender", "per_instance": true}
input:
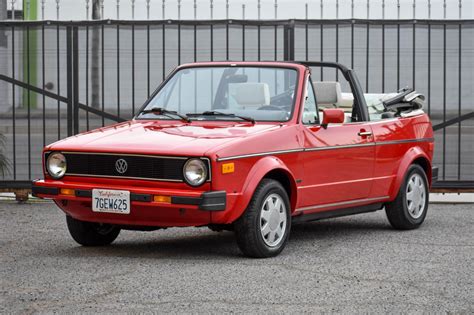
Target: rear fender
{"points": [[410, 156]]}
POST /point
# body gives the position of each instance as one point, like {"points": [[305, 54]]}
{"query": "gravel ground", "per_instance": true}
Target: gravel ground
{"points": [[352, 265]]}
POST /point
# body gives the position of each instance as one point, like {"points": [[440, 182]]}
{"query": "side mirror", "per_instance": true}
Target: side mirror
{"points": [[332, 116]]}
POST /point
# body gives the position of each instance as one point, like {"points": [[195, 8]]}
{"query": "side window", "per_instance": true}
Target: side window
{"points": [[334, 91], [310, 110]]}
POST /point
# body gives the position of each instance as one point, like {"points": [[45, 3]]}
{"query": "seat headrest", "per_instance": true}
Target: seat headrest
{"points": [[327, 92], [252, 94]]}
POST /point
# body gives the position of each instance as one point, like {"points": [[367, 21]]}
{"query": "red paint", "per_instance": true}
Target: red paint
{"points": [[325, 165], [333, 116]]}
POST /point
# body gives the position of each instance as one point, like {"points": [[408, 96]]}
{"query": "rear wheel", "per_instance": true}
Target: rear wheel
{"points": [[91, 234], [408, 210], [264, 228]]}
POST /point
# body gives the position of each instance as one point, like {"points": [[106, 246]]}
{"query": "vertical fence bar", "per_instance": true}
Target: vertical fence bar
{"points": [[227, 39], [13, 101], [58, 73], [321, 37], [69, 81], [87, 77], [352, 43], [429, 69], [337, 43], [306, 40], [43, 82], [133, 69], [212, 41], [163, 45], [398, 57], [367, 53], [195, 43], [195, 59], [148, 60], [258, 44], [413, 65], [103, 72], [118, 70], [243, 42], [383, 57], [29, 98], [75, 80], [459, 91], [352, 34], [444, 98], [398, 46], [275, 41]]}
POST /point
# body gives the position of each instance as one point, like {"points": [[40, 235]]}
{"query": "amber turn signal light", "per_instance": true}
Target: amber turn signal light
{"points": [[227, 168], [164, 199], [67, 192]]}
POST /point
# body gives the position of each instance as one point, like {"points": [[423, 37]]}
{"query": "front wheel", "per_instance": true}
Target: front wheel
{"points": [[408, 210], [263, 230], [91, 234]]}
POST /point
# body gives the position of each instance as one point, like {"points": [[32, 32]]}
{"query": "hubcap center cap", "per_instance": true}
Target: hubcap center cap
{"points": [[274, 220]]}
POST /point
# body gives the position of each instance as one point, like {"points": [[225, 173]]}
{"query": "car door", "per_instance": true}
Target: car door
{"points": [[338, 159]]}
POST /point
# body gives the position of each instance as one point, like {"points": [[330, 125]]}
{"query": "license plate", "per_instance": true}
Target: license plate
{"points": [[112, 201]]}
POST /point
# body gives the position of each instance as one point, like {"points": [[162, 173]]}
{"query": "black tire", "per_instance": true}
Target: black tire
{"points": [[248, 227], [91, 234], [398, 213]]}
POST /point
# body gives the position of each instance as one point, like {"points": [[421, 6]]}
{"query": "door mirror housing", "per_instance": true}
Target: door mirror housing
{"points": [[332, 116]]}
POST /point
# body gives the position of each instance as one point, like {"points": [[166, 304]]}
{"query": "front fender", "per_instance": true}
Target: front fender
{"points": [[410, 156], [258, 171]]}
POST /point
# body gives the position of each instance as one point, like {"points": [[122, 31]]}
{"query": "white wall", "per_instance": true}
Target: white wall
{"points": [[287, 9]]}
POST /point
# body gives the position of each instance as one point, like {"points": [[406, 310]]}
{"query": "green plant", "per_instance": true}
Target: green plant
{"points": [[4, 164]]}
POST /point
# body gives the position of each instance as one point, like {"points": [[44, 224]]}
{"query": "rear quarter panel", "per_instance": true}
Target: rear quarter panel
{"points": [[399, 142]]}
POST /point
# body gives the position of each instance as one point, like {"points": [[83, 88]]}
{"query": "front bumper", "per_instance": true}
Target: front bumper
{"points": [[207, 201]]}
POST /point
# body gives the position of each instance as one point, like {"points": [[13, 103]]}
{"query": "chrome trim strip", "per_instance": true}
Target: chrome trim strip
{"points": [[335, 147], [342, 203], [258, 154], [126, 177], [405, 141]]}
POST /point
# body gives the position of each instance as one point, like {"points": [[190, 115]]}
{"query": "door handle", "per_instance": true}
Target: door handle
{"points": [[365, 133]]}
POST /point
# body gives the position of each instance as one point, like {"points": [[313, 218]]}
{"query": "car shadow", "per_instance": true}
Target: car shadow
{"points": [[207, 244], [204, 245], [340, 227]]}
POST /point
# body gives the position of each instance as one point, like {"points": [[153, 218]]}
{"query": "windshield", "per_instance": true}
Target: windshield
{"points": [[226, 93]]}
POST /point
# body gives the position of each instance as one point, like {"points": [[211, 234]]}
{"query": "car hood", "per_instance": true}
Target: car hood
{"points": [[160, 137]]}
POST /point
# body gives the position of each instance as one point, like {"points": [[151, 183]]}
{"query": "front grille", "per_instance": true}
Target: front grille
{"points": [[141, 167]]}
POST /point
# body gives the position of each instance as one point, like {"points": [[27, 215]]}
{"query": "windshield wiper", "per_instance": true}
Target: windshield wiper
{"points": [[165, 112], [217, 113]]}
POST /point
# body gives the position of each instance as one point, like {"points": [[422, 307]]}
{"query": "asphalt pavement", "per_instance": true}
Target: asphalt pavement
{"points": [[352, 265]]}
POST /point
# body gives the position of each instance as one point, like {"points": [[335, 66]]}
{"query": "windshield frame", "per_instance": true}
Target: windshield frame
{"points": [[226, 65]]}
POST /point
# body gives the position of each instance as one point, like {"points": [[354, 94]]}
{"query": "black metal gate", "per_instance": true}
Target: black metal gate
{"points": [[61, 78]]}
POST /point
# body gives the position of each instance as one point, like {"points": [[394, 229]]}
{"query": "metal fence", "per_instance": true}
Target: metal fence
{"points": [[61, 78]]}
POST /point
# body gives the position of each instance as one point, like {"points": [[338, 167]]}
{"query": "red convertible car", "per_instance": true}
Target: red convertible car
{"points": [[251, 147]]}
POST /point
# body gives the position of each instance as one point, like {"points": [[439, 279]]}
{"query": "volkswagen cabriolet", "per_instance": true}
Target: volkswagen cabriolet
{"points": [[251, 147]]}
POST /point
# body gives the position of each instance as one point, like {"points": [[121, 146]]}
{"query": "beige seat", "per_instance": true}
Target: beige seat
{"points": [[252, 95], [328, 94]]}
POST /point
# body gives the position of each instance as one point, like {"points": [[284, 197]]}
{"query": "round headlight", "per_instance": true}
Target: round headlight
{"points": [[195, 172], [56, 165]]}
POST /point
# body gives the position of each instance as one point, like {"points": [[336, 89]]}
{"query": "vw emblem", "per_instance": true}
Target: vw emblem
{"points": [[121, 166]]}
